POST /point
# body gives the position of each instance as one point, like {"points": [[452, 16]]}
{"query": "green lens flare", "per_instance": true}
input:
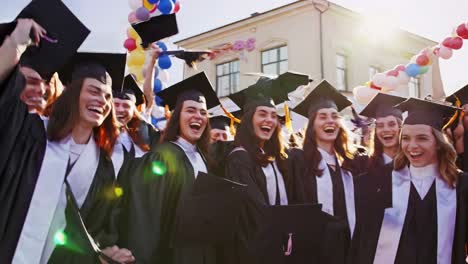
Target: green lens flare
{"points": [[60, 238], [158, 168]]}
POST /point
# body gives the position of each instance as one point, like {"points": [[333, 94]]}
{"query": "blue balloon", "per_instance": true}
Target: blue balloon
{"points": [[157, 85], [165, 6], [158, 100], [165, 62], [153, 1], [162, 45], [412, 70], [173, 1]]}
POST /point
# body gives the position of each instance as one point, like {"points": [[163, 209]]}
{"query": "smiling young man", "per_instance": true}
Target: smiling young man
{"points": [[136, 135], [164, 178], [417, 214]]}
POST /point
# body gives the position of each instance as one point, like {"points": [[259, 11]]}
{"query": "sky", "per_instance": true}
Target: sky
{"points": [[433, 19]]}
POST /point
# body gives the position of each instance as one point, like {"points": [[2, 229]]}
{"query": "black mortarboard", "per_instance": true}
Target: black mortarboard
{"points": [[220, 122], [300, 234], [268, 92], [210, 213], [96, 66], [382, 105], [65, 34], [461, 95], [196, 88], [423, 112], [191, 57], [157, 28], [324, 95], [130, 91]]}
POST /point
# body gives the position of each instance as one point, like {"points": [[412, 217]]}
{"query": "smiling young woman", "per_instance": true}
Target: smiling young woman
{"points": [[416, 213]]}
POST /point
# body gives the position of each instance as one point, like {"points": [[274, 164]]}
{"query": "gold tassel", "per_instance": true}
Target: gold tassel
{"points": [[231, 116], [167, 113], [287, 118], [456, 115]]}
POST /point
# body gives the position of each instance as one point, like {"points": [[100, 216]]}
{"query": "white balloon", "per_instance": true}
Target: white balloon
{"points": [[379, 79], [403, 78], [364, 94], [389, 83], [445, 52], [163, 76], [135, 4]]}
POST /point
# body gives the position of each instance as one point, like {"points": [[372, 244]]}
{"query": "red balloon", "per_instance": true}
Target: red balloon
{"points": [[447, 42], [392, 73], [176, 7], [462, 31], [457, 43], [130, 44], [422, 60]]}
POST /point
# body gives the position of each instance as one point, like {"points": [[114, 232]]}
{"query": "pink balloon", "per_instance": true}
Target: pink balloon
{"points": [[130, 44], [400, 67], [132, 18], [445, 52]]}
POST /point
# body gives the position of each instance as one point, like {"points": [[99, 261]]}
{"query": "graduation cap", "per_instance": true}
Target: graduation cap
{"points": [[382, 105], [429, 113], [196, 88], [460, 97], [98, 66], [269, 91], [324, 95], [65, 34], [157, 28], [300, 234], [191, 57], [210, 214], [130, 91], [220, 122]]}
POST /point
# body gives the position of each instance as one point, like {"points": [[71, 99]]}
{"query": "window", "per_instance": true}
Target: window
{"points": [[275, 61], [414, 87], [227, 78], [372, 71], [341, 80]]}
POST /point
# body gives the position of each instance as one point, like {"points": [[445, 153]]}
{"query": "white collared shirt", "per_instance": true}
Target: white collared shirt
{"points": [[269, 172], [386, 158], [330, 159], [192, 153], [423, 177]]}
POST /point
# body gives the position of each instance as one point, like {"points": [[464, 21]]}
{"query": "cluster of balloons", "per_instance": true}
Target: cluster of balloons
{"points": [[419, 64], [143, 10]]}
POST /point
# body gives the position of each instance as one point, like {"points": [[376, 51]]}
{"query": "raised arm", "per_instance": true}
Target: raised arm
{"points": [[14, 45]]}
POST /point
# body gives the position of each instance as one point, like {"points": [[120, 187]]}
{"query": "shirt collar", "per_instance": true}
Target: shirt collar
{"points": [[185, 145], [330, 159]]}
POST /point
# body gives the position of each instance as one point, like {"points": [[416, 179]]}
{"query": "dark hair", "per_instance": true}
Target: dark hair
{"points": [[273, 148], [66, 113], [172, 132], [376, 148], [134, 127], [312, 156]]}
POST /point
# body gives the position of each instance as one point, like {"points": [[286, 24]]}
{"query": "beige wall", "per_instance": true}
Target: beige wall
{"points": [[297, 26]]}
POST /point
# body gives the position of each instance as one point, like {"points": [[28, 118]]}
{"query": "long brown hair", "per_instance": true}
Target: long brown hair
{"points": [[376, 148], [172, 132], [273, 148], [56, 89], [446, 156], [312, 156], [66, 113], [134, 127]]}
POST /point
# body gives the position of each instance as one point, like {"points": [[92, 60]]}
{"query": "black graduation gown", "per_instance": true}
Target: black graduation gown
{"points": [[219, 152], [98, 213], [418, 242], [305, 188], [376, 195], [241, 167], [150, 134], [150, 205], [23, 141]]}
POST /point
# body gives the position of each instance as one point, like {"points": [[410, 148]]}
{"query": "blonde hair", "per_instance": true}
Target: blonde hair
{"points": [[446, 156]]}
